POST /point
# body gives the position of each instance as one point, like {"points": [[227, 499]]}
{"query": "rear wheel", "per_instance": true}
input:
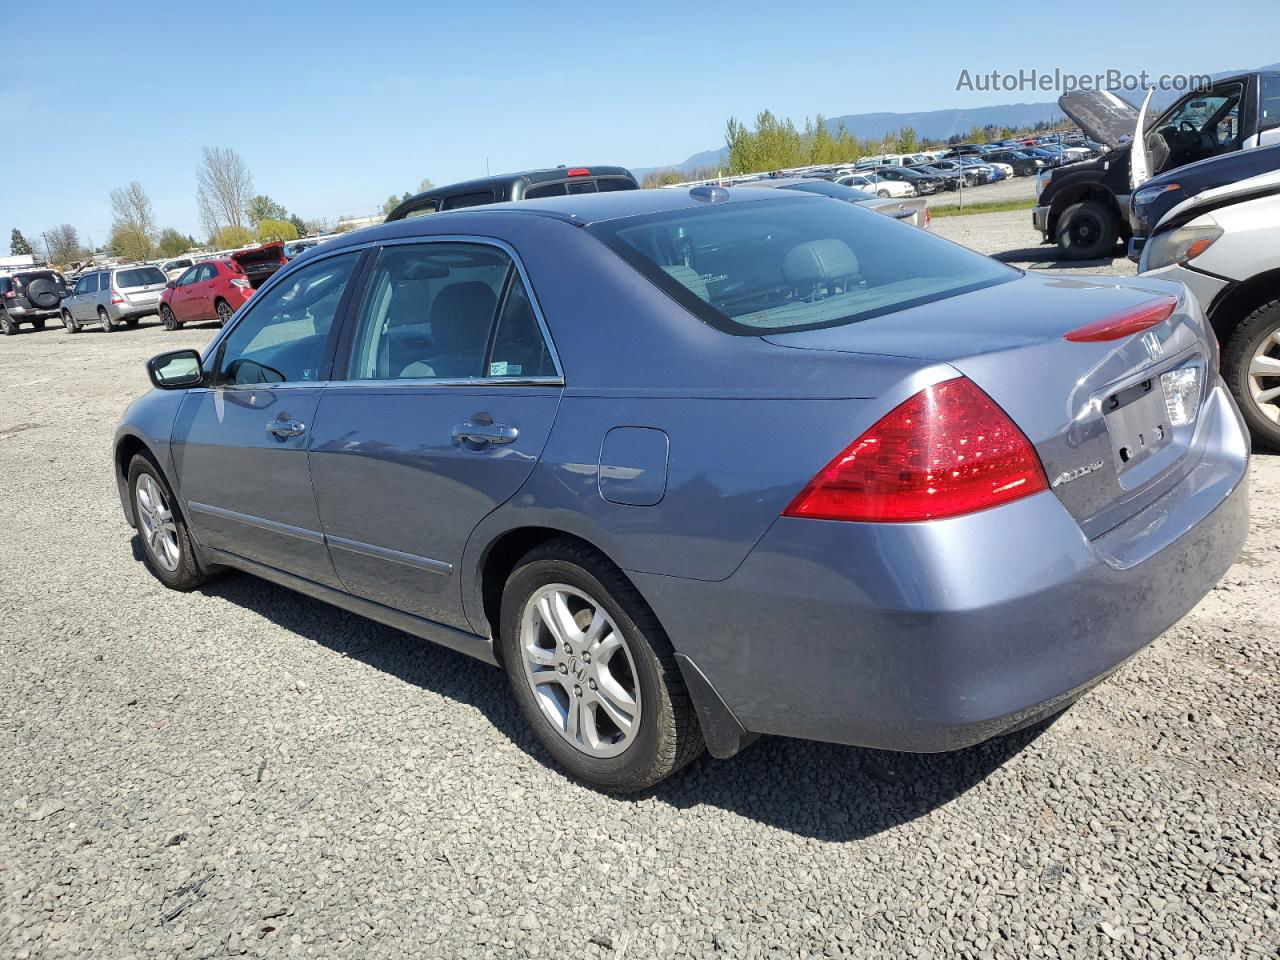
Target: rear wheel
{"points": [[131, 321], [38, 323], [1251, 367], [224, 312], [593, 671], [168, 319], [104, 321], [165, 541], [1087, 231], [7, 326], [69, 322]]}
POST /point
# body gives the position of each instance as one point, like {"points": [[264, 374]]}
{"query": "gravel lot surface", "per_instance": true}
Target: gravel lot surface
{"points": [[242, 770], [1017, 188], [1010, 237]]}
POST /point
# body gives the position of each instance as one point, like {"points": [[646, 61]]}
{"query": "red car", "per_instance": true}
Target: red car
{"points": [[216, 289]]}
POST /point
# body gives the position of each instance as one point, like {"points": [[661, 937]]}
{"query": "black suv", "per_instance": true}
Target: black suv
{"points": [[529, 185], [30, 296]]}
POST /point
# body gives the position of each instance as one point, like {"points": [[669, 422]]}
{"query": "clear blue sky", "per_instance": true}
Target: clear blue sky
{"points": [[336, 105]]}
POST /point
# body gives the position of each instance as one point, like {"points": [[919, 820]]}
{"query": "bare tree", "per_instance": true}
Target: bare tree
{"points": [[133, 225], [224, 188], [64, 244]]}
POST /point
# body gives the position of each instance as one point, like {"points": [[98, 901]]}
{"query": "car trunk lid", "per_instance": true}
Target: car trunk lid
{"points": [[259, 263], [1095, 411]]}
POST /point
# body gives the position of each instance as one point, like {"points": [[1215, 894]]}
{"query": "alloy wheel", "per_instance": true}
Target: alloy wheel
{"points": [[1264, 377], [104, 321], [580, 671], [224, 313], [155, 517]]}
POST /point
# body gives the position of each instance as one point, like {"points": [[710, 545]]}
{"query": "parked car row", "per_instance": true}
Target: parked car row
{"points": [[179, 291]]}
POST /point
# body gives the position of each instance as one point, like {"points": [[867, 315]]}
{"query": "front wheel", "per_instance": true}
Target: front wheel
{"points": [[104, 321], [1251, 367], [38, 323], [69, 322], [882, 194], [131, 322], [165, 541], [593, 671], [1087, 231]]}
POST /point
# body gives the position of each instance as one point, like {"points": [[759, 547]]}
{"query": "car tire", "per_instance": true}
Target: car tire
{"points": [[1251, 345], [131, 322], [38, 323], [1087, 231], [169, 320], [882, 194], [166, 543], [224, 312], [7, 325], [581, 584], [69, 322], [104, 321]]}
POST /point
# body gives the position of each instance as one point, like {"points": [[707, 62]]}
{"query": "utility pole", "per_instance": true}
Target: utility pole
{"points": [[46, 246]]}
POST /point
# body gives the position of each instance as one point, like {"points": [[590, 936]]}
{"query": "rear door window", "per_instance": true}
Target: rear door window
{"points": [[428, 312], [459, 200]]}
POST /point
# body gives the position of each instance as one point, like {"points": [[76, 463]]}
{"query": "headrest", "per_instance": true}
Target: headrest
{"points": [[819, 260], [460, 316]]}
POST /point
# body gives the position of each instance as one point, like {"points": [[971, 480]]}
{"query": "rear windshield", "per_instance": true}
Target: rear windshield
{"points": [[139, 277], [798, 264]]}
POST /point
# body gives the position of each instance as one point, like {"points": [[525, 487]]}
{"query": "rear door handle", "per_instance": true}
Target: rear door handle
{"points": [[286, 428], [483, 434]]}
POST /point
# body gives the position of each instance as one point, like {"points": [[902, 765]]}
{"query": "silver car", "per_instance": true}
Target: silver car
{"points": [[108, 298]]}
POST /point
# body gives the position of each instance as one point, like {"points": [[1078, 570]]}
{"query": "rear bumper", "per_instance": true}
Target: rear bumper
{"points": [[22, 314], [123, 311], [934, 636]]}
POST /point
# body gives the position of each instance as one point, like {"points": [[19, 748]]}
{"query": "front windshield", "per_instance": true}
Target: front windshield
{"points": [[771, 266]]}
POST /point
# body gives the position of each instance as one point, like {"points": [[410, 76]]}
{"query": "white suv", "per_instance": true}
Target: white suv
{"points": [[1224, 244]]}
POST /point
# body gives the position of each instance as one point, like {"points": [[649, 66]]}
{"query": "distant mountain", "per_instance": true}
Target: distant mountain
{"points": [[941, 124]]}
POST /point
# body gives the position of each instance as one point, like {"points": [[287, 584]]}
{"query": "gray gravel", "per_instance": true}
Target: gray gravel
{"points": [[1010, 237], [242, 770]]}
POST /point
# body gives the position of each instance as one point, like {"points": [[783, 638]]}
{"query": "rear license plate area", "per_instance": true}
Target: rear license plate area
{"points": [[1138, 423]]}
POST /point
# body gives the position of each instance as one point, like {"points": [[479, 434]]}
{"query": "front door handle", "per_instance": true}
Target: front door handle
{"points": [[484, 434], [286, 428]]}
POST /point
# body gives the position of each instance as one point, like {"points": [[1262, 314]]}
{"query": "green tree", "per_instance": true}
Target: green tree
{"points": [[276, 230], [18, 245], [390, 204], [231, 236], [262, 208], [171, 243], [908, 141], [298, 225], [426, 184], [130, 243]]}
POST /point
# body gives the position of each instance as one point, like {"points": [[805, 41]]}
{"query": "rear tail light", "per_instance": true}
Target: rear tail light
{"points": [[947, 451], [1126, 323], [1181, 394], [10, 295], [115, 296], [241, 282]]}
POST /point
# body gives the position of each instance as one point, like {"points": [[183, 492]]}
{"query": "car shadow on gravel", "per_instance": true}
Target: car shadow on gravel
{"points": [[1046, 257], [819, 790]]}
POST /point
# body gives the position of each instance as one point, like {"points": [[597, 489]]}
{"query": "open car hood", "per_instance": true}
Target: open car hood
{"points": [[1101, 115]]}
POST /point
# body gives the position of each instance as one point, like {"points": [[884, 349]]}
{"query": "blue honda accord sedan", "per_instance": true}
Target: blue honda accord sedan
{"points": [[698, 465]]}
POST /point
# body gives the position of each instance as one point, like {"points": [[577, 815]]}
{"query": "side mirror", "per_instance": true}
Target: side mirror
{"points": [[171, 284], [176, 370]]}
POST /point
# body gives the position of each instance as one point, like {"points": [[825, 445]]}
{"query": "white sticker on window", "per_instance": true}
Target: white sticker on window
{"points": [[501, 368]]}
